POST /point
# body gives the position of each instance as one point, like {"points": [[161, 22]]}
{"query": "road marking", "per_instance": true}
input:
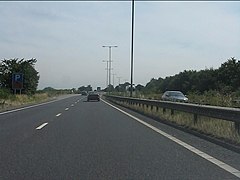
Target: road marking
{"points": [[41, 126], [72, 105], [59, 114], [198, 152], [66, 109]]}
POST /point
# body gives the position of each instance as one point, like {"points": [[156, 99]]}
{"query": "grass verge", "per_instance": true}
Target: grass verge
{"points": [[20, 100], [217, 128]]}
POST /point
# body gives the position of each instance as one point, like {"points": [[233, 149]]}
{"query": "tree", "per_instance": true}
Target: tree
{"points": [[139, 87], [83, 88], [26, 67], [89, 88], [46, 89], [151, 86], [229, 75], [204, 80], [110, 88]]}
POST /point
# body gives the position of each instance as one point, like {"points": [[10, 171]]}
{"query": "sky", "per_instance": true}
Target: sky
{"points": [[66, 38]]}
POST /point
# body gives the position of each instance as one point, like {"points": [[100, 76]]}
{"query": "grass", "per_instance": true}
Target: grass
{"points": [[19, 100], [213, 98], [9, 101], [218, 128]]}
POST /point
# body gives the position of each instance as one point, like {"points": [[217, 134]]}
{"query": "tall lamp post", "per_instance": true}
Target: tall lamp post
{"points": [[113, 78], [132, 48], [110, 60], [107, 73]]}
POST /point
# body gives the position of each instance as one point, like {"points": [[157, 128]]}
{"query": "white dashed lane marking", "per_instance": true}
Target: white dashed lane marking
{"points": [[59, 114], [41, 126]]}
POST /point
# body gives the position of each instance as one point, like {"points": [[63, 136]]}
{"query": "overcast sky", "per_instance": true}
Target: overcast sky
{"points": [[66, 38]]}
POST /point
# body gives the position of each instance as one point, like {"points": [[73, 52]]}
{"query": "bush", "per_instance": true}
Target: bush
{"points": [[4, 94]]}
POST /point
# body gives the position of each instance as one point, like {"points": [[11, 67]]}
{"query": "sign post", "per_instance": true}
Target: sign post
{"points": [[17, 82]]}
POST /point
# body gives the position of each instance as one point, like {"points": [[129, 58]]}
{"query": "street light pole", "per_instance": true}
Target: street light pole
{"points": [[113, 78], [132, 48], [110, 60], [107, 73]]}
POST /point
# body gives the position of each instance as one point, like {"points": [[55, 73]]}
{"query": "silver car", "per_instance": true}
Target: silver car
{"points": [[174, 96]]}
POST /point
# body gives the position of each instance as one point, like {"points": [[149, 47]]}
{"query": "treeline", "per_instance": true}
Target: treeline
{"points": [[84, 88], [225, 79], [54, 92]]}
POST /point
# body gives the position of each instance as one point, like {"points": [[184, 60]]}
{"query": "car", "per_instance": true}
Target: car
{"points": [[93, 97], [176, 96], [84, 93]]}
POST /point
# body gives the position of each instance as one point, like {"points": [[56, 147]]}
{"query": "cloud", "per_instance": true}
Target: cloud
{"points": [[67, 38], [186, 35]]}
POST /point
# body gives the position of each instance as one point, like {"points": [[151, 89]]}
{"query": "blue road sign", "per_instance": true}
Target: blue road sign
{"points": [[17, 81]]}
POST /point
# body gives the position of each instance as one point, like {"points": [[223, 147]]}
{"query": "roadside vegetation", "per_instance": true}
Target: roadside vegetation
{"points": [[217, 128], [218, 87], [9, 100], [29, 93]]}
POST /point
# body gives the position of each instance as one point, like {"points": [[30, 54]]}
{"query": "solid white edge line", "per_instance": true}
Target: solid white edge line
{"points": [[196, 151], [41, 126]]}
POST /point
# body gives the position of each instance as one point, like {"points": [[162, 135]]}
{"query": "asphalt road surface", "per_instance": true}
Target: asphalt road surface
{"points": [[74, 139]]}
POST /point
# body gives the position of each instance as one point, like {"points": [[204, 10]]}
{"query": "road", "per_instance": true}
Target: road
{"points": [[74, 139]]}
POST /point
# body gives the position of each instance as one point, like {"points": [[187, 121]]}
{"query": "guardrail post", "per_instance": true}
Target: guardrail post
{"points": [[151, 107], [172, 112], [157, 108], [237, 127], [195, 119]]}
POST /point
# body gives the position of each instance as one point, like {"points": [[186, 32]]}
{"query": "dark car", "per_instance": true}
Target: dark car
{"points": [[93, 97], [174, 96], [84, 93]]}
